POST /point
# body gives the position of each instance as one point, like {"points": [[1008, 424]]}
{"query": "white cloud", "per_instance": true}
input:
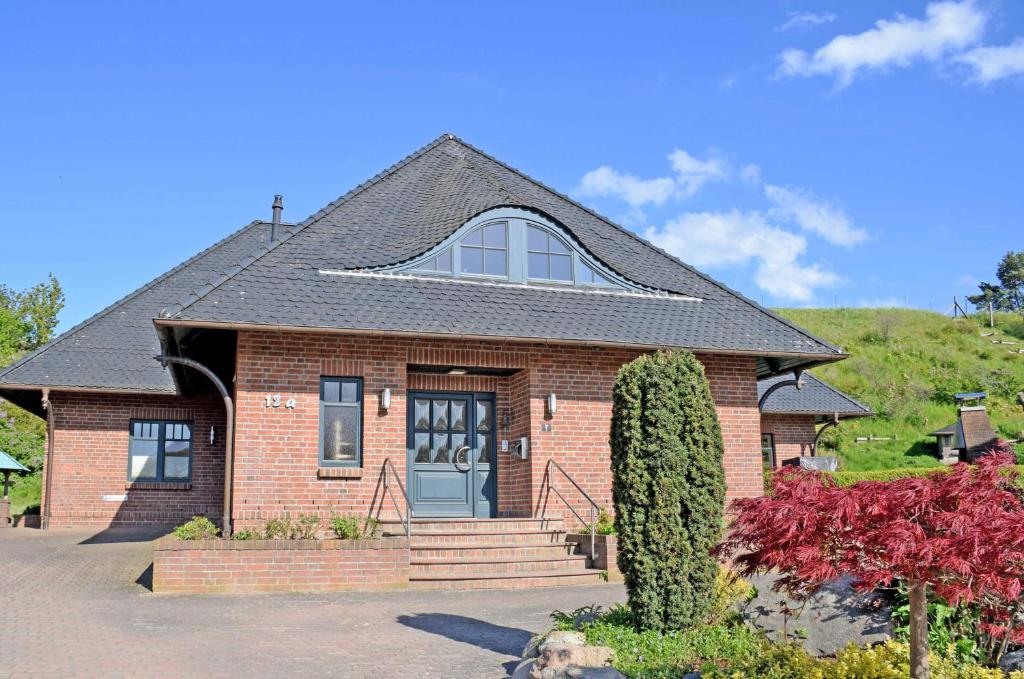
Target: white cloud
{"points": [[948, 27], [804, 20], [883, 303], [751, 174], [994, 63], [690, 175], [709, 239], [604, 181], [812, 215]]}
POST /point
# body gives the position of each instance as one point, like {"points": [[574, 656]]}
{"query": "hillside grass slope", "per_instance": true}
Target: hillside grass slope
{"points": [[906, 365]]}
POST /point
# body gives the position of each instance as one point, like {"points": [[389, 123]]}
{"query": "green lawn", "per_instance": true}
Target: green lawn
{"points": [[906, 365]]}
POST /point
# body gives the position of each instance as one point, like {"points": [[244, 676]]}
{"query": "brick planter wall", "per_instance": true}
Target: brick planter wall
{"points": [[208, 566], [606, 548]]}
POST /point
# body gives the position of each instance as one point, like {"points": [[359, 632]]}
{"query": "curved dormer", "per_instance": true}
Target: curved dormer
{"points": [[516, 246]]}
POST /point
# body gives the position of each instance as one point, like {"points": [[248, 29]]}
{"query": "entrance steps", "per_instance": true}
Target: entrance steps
{"points": [[493, 553]]}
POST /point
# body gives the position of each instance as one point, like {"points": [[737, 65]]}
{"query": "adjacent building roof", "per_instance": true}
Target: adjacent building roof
{"points": [[9, 464], [317, 276], [817, 398]]}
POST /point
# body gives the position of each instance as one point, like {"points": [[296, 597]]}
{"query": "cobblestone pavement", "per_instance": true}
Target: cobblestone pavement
{"points": [[77, 604]]}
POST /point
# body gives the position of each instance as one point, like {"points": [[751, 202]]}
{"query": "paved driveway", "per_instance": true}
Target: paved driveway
{"points": [[77, 604]]}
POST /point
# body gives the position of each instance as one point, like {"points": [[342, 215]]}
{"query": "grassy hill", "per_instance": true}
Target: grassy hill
{"points": [[907, 365]]}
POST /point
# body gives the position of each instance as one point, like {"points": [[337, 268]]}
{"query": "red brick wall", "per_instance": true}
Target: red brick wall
{"points": [[88, 459], [794, 435], [276, 448], [279, 565]]}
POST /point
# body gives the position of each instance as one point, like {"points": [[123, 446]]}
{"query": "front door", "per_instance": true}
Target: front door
{"points": [[452, 466]]}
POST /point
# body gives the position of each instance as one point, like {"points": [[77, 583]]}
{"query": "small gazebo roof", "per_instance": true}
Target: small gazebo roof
{"points": [[948, 430], [9, 464]]}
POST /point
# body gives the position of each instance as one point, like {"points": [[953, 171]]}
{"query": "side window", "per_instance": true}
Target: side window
{"points": [[768, 450], [484, 252], [439, 263], [547, 257], [159, 451], [341, 421]]}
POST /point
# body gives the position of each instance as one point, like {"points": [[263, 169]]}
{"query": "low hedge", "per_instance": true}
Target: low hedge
{"points": [[848, 478]]}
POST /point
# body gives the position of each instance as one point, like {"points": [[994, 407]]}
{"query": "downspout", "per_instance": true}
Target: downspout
{"points": [[229, 434], [48, 460]]}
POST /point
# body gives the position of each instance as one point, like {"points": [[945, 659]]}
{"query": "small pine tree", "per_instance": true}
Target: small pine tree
{"points": [[668, 487]]}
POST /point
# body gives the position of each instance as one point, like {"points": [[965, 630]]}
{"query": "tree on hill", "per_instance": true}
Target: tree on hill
{"points": [[27, 321], [1008, 294]]}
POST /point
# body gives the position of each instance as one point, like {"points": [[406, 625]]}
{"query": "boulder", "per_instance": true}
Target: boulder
{"points": [[565, 656], [532, 648], [527, 670], [1012, 661], [560, 638]]}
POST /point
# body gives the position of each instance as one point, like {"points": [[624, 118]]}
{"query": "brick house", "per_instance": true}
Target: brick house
{"points": [[793, 419], [451, 320]]}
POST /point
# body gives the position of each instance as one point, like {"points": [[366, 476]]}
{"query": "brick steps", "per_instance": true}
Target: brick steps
{"points": [[472, 551], [524, 579], [497, 565], [488, 537], [493, 553]]}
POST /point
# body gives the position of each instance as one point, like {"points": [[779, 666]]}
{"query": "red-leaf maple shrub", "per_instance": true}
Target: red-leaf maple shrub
{"points": [[959, 533]]}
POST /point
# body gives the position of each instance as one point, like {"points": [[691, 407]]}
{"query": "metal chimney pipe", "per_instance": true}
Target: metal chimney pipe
{"points": [[275, 221]]}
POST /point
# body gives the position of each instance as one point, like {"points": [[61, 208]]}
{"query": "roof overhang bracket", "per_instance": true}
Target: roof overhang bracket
{"points": [[795, 382]]}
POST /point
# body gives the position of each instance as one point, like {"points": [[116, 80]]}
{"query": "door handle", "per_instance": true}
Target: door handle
{"points": [[461, 459]]}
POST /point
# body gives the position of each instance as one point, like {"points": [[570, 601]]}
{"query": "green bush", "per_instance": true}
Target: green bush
{"points": [[32, 510], [197, 528], [730, 590], [668, 487], [850, 478], [246, 534], [306, 527], [354, 528]]}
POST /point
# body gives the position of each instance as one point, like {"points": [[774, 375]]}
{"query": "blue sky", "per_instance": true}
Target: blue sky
{"points": [[801, 152]]}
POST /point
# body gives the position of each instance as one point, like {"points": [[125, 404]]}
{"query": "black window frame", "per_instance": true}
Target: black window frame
{"points": [[358, 381], [770, 450], [160, 450]]}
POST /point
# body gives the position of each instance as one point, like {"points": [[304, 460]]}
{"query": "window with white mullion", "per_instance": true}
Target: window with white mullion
{"points": [[548, 258]]}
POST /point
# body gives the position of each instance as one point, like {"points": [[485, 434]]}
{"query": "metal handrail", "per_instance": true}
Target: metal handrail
{"points": [[407, 520], [595, 508]]}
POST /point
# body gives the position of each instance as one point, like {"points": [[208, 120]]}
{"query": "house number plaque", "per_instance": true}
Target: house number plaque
{"points": [[274, 401]]}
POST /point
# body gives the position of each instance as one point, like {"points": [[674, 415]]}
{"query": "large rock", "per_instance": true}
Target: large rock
{"points": [[528, 670], [552, 656], [555, 638], [1012, 661]]}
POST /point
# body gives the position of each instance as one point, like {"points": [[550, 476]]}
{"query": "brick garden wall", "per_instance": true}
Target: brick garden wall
{"points": [[88, 460], [227, 566], [794, 435]]}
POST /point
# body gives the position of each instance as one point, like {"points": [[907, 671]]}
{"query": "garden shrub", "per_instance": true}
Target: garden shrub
{"points": [[246, 534], [730, 590], [668, 487], [31, 510], [354, 528], [306, 527], [197, 528]]}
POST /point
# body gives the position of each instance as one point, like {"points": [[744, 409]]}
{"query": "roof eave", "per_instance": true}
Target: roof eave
{"points": [[810, 359]]}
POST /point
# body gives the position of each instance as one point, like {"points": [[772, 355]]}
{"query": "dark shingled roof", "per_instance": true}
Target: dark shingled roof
{"points": [[816, 398], [398, 215]]}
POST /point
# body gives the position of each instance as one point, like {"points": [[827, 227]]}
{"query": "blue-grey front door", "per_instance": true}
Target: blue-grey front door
{"points": [[452, 466]]}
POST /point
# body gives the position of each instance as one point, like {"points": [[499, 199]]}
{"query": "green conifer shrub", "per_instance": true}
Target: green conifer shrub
{"points": [[668, 488]]}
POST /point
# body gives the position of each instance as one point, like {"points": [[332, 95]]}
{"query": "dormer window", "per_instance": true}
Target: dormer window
{"points": [[517, 246], [547, 257], [485, 251]]}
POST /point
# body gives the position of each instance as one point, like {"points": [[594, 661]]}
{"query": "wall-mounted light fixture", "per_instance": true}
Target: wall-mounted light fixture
{"points": [[552, 404], [213, 434], [385, 399]]}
